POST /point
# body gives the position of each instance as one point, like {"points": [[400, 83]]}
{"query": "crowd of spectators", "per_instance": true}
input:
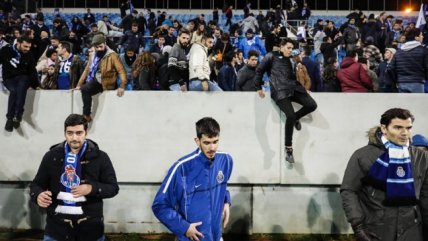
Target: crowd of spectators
{"points": [[366, 54]]}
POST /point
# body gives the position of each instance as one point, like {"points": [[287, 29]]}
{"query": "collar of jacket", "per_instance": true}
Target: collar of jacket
{"points": [[92, 150]]}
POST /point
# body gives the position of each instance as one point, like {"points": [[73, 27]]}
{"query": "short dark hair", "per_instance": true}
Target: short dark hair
{"points": [[399, 113], [207, 126], [411, 34], [75, 120], [352, 53], [252, 53], [24, 38], [207, 36], [287, 40], [66, 45], [184, 31], [49, 52]]}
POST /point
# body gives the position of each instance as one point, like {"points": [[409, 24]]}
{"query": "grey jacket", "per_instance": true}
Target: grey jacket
{"points": [[364, 204]]}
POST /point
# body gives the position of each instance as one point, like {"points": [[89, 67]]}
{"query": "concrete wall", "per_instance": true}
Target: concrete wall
{"points": [[144, 132]]}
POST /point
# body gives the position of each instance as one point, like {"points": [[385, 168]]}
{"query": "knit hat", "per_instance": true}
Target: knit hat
{"points": [[98, 39], [419, 140]]}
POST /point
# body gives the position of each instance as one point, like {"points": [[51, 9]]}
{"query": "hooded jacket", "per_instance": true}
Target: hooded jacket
{"points": [[353, 77], [245, 79], [410, 63], [363, 204], [97, 170]]}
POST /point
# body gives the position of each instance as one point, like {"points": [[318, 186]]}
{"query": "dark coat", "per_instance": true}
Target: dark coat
{"points": [[97, 170], [26, 66], [227, 77], [245, 79], [282, 76], [410, 64], [314, 73], [363, 204], [353, 77]]}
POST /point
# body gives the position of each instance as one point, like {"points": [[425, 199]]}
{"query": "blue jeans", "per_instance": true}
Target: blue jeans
{"points": [[175, 87], [411, 88], [47, 238], [196, 85], [17, 87]]}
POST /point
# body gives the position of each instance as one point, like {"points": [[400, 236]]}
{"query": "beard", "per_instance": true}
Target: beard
{"points": [[101, 53]]}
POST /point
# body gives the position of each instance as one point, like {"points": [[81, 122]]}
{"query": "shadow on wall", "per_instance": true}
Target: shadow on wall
{"points": [[239, 227], [31, 101], [262, 114], [319, 219]]}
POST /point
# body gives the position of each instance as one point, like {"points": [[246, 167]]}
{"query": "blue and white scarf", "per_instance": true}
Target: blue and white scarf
{"points": [[392, 172], [68, 204]]}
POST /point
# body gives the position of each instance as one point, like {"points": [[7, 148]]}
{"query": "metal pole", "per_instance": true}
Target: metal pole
{"points": [[26, 6], [368, 4], [236, 5], [384, 5], [85, 3], [326, 6]]}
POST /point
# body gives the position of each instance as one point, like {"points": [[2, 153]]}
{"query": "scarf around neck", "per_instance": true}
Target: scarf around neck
{"points": [[392, 173], [71, 177]]}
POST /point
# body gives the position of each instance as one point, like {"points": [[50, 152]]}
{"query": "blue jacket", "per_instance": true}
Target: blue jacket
{"points": [[194, 190], [257, 45], [227, 77]]}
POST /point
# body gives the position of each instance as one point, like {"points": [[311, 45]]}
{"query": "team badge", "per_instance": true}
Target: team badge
{"points": [[400, 171], [69, 178], [220, 177]]}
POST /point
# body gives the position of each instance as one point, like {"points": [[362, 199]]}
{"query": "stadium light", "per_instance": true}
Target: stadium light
{"points": [[408, 10]]}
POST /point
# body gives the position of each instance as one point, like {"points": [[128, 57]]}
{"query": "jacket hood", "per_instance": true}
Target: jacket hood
{"points": [[347, 61], [373, 135], [410, 45]]}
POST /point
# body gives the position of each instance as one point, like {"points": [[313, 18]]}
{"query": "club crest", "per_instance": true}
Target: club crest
{"points": [[220, 177], [69, 178], [400, 171]]}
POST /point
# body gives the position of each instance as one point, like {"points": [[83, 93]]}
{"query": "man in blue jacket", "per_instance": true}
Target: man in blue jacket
{"points": [[193, 199]]}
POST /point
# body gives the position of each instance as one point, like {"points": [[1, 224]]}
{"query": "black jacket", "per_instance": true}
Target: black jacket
{"points": [[26, 65], [282, 76], [364, 204], [97, 170], [410, 63], [245, 79]]}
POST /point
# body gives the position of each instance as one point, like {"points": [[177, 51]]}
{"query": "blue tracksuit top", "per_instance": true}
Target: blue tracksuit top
{"points": [[195, 190]]}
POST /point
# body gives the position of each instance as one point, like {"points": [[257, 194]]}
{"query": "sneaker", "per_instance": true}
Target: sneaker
{"points": [[88, 118], [289, 155], [16, 123], [9, 126], [298, 125]]}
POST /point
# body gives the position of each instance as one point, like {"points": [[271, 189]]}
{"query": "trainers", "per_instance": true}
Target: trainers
{"points": [[9, 126], [88, 118], [16, 123], [298, 125], [289, 155]]}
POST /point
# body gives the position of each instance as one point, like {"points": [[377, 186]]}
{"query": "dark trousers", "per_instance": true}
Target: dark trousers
{"points": [[228, 22], [17, 87], [88, 90], [308, 105]]}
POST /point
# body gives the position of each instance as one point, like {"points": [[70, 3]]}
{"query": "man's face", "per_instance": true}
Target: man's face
{"points": [[100, 47], [184, 39], [209, 42], [217, 33], [286, 49], [252, 61], [130, 53], [72, 35], [249, 35], [397, 27], [24, 47], [190, 26], [54, 42], [161, 41], [134, 29], [94, 29], [388, 55], [398, 131], [352, 21], [60, 50], [208, 145], [171, 31], [75, 137]]}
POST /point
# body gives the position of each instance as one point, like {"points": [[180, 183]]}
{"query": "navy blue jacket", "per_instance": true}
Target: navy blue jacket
{"points": [[314, 72], [195, 190], [227, 77]]}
